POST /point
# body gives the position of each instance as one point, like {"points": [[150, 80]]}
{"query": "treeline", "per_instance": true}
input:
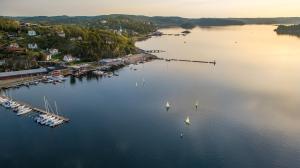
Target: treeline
{"points": [[8, 24], [289, 30], [130, 25], [133, 23]]}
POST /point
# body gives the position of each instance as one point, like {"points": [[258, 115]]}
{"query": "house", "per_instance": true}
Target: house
{"points": [[61, 34], [53, 51], [23, 24], [103, 21], [31, 33], [70, 58], [32, 46], [2, 62], [14, 46]]}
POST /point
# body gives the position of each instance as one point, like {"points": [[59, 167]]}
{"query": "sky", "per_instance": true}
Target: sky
{"points": [[183, 8]]}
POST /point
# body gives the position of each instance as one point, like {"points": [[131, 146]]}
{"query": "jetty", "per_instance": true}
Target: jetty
{"points": [[38, 110], [154, 51], [185, 60]]}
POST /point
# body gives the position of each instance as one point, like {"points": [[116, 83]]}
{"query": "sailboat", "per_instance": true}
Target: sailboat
{"points": [[196, 105], [168, 106], [187, 121], [136, 84]]}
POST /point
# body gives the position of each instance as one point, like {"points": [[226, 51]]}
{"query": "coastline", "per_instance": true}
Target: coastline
{"points": [[140, 57]]}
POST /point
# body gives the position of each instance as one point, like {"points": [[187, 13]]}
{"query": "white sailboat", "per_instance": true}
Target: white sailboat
{"points": [[136, 84], [187, 121], [196, 104], [168, 105]]}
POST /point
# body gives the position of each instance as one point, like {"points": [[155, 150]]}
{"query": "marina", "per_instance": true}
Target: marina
{"points": [[44, 117]]}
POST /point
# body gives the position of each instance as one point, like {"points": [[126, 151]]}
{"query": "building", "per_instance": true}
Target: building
{"points": [[23, 24], [31, 33], [15, 74], [103, 21], [32, 46], [14, 46], [70, 58], [2, 62], [53, 51]]}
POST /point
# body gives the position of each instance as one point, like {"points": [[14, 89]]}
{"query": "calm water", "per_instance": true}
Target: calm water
{"points": [[248, 115]]}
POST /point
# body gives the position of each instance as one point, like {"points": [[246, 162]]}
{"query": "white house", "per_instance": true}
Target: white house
{"points": [[70, 58], [2, 62], [14, 45], [31, 33], [53, 51], [32, 46], [103, 21]]}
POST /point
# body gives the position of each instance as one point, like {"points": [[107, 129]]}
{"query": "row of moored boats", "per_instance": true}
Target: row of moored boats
{"points": [[43, 119], [16, 107]]}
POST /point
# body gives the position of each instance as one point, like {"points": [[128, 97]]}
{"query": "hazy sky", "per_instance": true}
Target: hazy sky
{"points": [[185, 8]]}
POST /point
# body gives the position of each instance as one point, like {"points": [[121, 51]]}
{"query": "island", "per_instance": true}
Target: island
{"points": [[288, 30]]}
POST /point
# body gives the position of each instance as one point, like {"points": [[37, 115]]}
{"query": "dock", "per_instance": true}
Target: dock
{"points": [[154, 51], [195, 61], [38, 110]]}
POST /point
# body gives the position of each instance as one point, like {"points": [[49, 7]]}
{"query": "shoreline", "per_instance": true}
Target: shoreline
{"points": [[140, 57]]}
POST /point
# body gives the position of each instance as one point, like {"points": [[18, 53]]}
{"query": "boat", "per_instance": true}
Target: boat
{"points": [[136, 84], [24, 111], [187, 121], [168, 105], [7, 104], [98, 72], [196, 105]]}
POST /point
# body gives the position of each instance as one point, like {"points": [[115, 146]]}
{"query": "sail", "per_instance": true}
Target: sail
{"points": [[187, 121], [168, 105]]}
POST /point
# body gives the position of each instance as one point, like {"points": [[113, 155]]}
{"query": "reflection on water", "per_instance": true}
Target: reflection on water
{"points": [[248, 108]]}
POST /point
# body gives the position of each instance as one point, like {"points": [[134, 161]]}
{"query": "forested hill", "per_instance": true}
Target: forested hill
{"points": [[289, 30], [137, 23], [23, 45], [145, 24]]}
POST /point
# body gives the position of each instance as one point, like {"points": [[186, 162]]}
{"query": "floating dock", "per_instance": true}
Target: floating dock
{"points": [[184, 60], [39, 111], [154, 51]]}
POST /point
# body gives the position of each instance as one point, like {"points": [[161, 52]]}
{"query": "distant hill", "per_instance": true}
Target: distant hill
{"points": [[277, 20], [144, 22], [159, 21]]}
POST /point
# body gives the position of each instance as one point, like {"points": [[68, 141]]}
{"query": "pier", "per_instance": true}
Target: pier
{"points": [[195, 61], [38, 110], [153, 51]]}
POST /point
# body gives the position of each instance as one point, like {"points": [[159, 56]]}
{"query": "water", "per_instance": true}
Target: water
{"points": [[248, 114]]}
